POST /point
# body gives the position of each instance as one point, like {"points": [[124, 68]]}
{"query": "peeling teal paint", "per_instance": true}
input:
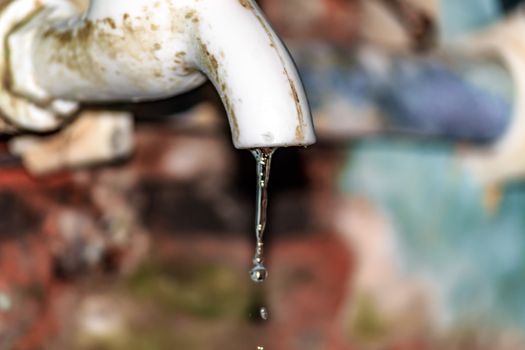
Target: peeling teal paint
{"points": [[475, 258]]}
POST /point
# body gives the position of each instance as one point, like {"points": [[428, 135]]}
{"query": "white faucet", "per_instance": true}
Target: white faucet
{"points": [[134, 50]]}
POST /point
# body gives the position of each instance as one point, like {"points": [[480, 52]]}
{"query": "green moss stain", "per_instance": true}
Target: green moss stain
{"points": [[198, 289], [367, 324]]}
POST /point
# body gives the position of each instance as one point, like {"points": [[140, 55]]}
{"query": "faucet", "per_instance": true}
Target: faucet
{"points": [[59, 54]]}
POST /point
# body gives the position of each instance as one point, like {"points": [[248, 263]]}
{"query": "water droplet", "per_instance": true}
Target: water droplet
{"points": [[258, 274], [260, 348], [264, 313], [258, 260]]}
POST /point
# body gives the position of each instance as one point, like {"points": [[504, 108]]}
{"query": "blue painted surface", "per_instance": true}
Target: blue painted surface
{"points": [[424, 96], [430, 98]]}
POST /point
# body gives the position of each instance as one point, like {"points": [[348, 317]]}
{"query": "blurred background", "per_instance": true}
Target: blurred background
{"points": [[402, 228]]}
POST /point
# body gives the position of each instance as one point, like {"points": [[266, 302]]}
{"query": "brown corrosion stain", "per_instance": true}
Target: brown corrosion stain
{"points": [[295, 95], [188, 70], [174, 13], [190, 14], [212, 64], [80, 5], [180, 54], [209, 60], [78, 49], [299, 131], [110, 22], [299, 134], [70, 54], [246, 4], [233, 117]]}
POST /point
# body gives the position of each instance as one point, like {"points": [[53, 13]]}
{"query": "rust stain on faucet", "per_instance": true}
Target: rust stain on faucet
{"points": [[246, 4], [233, 116], [209, 60], [192, 14], [212, 64], [111, 23], [77, 48], [299, 132]]}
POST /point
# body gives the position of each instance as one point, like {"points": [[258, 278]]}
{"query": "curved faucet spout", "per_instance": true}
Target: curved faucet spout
{"points": [[254, 74], [124, 50]]}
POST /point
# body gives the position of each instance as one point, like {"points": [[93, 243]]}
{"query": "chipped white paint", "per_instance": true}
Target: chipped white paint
{"points": [[124, 50]]}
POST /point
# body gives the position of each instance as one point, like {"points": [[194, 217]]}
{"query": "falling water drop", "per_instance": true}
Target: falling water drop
{"points": [[263, 312], [258, 273]]}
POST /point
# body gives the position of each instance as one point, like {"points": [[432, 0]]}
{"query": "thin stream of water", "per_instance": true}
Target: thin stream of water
{"points": [[263, 157], [259, 273]]}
